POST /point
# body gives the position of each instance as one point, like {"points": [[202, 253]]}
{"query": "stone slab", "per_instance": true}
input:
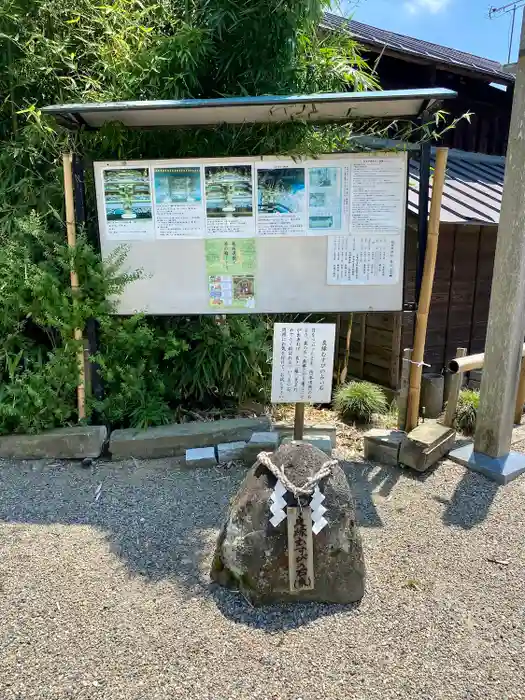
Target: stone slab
{"points": [[197, 457], [174, 440], [322, 442], [286, 429], [228, 451], [502, 470], [77, 442], [425, 445], [382, 445], [267, 441]]}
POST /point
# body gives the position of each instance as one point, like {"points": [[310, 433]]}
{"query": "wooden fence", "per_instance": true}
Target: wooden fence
{"points": [[458, 312]]}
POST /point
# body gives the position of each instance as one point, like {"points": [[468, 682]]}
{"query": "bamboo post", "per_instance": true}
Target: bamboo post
{"points": [[402, 399], [520, 396], [426, 289], [453, 393], [71, 241]]}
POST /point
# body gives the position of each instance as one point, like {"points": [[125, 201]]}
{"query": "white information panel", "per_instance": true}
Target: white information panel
{"points": [[303, 360], [268, 235]]}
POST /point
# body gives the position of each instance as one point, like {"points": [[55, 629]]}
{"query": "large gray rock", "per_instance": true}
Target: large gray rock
{"points": [[252, 555], [174, 440], [77, 442]]}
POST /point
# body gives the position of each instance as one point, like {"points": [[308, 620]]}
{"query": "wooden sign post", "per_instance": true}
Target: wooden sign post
{"points": [[298, 422]]}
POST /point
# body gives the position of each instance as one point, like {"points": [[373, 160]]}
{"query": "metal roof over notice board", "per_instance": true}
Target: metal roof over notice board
{"points": [[473, 188], [322, 107]]}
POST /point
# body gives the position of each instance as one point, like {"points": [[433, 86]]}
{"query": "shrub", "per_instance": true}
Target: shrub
{"points": [[38, 317], [466, 410], [155, 370], [358, 401]]}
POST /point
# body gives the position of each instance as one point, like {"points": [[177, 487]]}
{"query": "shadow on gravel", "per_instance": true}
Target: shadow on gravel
{"points": [[272, 618], [159, 520], [471, 501], [365, 479]]}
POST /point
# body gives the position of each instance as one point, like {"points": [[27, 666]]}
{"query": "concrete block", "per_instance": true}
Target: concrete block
{"points": [[259, 442], [425, 445], [228, 451], [201, 457], [322, 442], [382, 445], [498, 469], [77, 442], [329, 429], [174, 440]]}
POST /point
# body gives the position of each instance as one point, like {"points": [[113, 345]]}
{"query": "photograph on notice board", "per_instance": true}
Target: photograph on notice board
{"points": [[280, 190], [178, 185], [231, 291], [127, 194], [280, 201], [179, 210], [229, 191], [325, 201]]}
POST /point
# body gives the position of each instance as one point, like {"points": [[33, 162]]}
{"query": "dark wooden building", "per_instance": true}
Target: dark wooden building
{"points": [[470, 212], [484, 88]]}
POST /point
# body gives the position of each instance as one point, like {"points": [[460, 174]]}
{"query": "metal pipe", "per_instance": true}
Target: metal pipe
{"points": [[465, 364]]}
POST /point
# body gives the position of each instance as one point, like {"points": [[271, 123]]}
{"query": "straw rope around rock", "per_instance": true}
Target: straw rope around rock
{"points": [[308, 487]]}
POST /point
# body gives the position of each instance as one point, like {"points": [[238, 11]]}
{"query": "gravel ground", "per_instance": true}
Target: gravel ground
{"points": [[110, 598]]}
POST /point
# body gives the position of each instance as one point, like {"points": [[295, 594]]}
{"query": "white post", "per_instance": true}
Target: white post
{"points": [[507, 301]]}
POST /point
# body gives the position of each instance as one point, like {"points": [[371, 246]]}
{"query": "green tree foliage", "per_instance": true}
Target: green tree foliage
{"points": [[79, 50]]}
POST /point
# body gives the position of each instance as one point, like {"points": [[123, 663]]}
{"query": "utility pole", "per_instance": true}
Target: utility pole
{"points": [[506, 324]]}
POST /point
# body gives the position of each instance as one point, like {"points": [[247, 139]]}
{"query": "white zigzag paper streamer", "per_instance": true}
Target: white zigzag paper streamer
{"points": [[318, 511], [278, 504]]}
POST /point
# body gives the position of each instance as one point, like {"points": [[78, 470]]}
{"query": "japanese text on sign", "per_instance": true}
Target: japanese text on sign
{"points": [[303, 357], [362, 260]]}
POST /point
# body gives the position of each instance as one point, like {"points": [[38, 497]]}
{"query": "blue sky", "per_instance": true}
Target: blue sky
{"points": [[461, 24]]}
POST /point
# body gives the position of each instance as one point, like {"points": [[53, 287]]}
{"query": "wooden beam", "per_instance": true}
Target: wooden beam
{"points": [[396, 350], [402, 399], [453, 394], [362, 348]]}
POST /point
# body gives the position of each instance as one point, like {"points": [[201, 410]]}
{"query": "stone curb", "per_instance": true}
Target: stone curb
{"points": [[174, 440], [77, 442]]}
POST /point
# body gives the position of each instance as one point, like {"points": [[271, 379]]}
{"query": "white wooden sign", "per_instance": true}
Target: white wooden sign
{"points": [[303, 360]]}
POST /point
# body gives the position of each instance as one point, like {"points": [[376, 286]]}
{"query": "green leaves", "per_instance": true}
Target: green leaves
{"points": [[158, 369], [79, 51]]}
